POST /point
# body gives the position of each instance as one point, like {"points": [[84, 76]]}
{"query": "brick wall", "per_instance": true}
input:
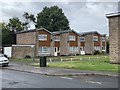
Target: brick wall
{"points": [[89, 44], [19, 51], [26, 38], [114, 38], [64, 47]]}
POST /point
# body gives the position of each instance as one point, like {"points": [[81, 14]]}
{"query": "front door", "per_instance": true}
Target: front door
{"points": [[55, 51]]}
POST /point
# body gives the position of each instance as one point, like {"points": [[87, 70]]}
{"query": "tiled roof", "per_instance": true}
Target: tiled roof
{"points": [[89, 33], [63, 31], [26, 31], [33, 30]]}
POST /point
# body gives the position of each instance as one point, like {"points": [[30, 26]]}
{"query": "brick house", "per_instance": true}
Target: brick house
{"points": [[114, 36], [91, 41], [66, 42], [41, 42], [35, 42]]}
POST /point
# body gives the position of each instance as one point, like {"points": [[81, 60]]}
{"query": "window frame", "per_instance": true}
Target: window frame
{"points": [[82, 38], [42, 35], [72, 38], [103, 40], [73, 48], [95, 38], [43, 51]]}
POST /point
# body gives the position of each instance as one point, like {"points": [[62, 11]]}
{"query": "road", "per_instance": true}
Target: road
{"points": [[17, 79]]}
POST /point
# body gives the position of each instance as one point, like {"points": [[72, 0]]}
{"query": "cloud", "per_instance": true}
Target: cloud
{"points": [[83, 16]]}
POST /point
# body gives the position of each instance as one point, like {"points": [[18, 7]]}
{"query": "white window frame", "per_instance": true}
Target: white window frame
{"points": [[43, 51], [71, 38], [95, 38], [57, 38], [73, 48], [83, 39], [103, 47], [97, 48], [103, 39], [42, 35]]}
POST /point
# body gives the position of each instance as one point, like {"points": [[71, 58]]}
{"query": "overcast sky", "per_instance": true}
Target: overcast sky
{"points": [[83, 16]]}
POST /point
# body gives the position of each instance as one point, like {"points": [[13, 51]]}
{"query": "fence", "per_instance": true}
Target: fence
{"points": [[74, 59]]}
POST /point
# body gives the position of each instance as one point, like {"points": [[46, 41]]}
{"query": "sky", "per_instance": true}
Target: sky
{"points": [[84, 16]]}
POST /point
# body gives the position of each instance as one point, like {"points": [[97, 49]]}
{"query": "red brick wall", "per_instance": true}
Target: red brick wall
{"points": [[97, 43], [48, 41], [74, 43]]}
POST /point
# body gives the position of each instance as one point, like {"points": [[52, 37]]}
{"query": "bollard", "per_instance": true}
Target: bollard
{"points": [[50, 60], [61, 60], [89, 58]]}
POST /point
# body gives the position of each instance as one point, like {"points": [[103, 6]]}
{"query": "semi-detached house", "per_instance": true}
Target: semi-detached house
{"points": [[41, 42], [91, 41]]}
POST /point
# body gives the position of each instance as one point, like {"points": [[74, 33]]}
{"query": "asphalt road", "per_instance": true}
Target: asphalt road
{"points": [[17, 79]]}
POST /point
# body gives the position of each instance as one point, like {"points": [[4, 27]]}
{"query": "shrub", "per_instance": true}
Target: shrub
{"points": [[96, 52], [27, 56], [103, 52]]}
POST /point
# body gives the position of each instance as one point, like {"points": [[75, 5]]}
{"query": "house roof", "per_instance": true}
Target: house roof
{"points": [[26, 31], [44, 30], [33, 30], [64, 31], [113, 14], [92, 32]]}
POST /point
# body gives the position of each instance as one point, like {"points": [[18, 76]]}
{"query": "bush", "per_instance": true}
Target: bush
{"points": [[27, 56], [96, 52], [103, 52]]}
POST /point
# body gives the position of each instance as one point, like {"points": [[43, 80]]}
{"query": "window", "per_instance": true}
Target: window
{"points": [[44, 49], [82, 39], [95, 38], [72, 38], [73, 48], [103, 39], [103, 48], [96, 47], [57, 38], [82, 48], [42, 37]]}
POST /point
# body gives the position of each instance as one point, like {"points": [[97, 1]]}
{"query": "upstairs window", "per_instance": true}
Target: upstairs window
{"points": [[82, 39], [103, 39], [72, 38], [42, 37], [57, 38], [95, 38]]}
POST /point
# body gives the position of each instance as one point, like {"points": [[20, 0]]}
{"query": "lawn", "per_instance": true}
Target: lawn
{"points": [[85, 62], [97, 62]]}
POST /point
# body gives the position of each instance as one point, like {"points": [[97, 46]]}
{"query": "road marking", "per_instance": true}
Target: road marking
{"points": [[67, 78], [94, 82]]}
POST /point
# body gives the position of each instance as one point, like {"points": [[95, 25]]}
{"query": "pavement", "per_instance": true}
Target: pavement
{"points": [[57, 71]]}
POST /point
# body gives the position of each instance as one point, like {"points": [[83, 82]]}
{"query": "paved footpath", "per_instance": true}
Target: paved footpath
{"points": [[57, 71]]}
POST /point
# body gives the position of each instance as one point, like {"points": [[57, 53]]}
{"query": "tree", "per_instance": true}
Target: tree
{"points": [[6, 35], [53, 19], [29, 18], [15, 24], [10, 30]]}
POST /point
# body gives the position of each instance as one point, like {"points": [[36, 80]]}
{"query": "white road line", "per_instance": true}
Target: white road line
{"points": [[66, 78], [94, 82]]}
